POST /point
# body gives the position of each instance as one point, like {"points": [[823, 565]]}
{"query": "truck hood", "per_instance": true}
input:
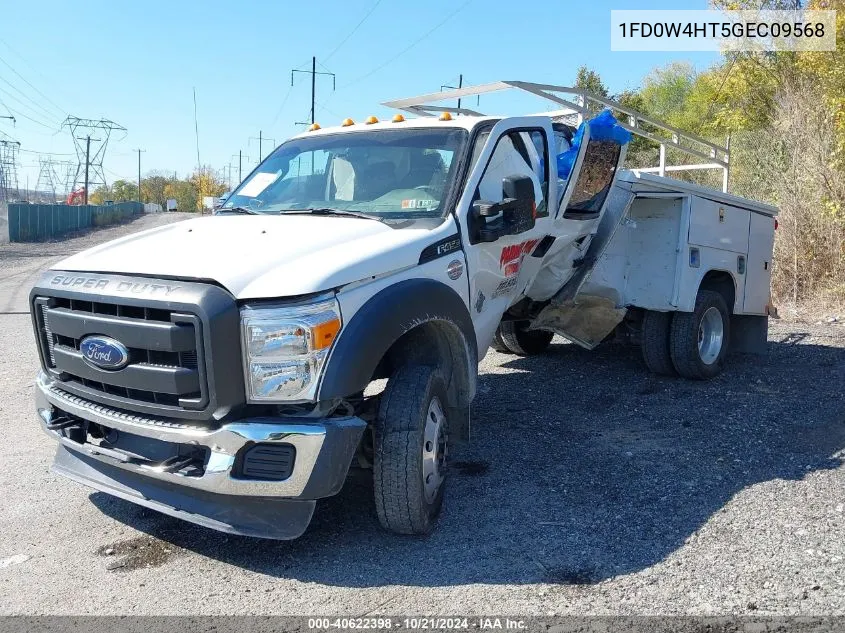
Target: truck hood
{"points": [[258, 256]]}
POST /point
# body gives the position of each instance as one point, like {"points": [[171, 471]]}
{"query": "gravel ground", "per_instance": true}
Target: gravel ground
{"points": [[22, 263], [590, 487]]}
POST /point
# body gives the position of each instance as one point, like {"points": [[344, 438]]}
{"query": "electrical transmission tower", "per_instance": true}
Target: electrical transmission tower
{"points": [[9, 171], [67, 172], [90, 139], [48, 178]]}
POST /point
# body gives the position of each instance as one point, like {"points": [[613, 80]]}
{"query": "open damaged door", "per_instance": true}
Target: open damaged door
{"points": [[591, 209]]}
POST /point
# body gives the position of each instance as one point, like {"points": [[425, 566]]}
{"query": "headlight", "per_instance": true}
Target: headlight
{"points": [[285, 349]]}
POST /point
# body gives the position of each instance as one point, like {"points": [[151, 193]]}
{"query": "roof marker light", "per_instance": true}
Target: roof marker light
{"points": [[445, 116], [371, 119], [313, 127], [347, 122], [398, 118]]}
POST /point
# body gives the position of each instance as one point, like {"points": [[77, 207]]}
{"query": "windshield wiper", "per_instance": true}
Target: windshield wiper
{"points": [[238, 210], [330, 211]]}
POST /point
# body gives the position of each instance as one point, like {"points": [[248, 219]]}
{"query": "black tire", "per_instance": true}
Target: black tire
{"points": [[655, 342], [684, 338], [498, 344], [399, 439], [517, 339]]}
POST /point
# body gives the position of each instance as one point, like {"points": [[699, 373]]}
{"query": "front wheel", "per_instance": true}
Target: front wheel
{"points": [[411, 432], [699, 340], [514, 337]]}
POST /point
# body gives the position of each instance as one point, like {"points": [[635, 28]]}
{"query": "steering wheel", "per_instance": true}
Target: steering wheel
{"points": [[429, 189]]}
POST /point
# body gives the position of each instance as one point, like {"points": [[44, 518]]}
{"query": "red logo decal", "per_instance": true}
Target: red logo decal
{"points": [[511, 258]]}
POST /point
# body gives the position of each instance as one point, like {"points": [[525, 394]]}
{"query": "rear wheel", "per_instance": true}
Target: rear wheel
{"points": [[514, 337], [655, 342], [498, 343], [699, 340], [411, 432]]}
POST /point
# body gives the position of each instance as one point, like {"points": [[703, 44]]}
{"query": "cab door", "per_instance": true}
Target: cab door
{"points": [[516, 148]]}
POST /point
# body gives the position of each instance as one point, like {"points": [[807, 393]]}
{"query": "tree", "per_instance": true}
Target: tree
{"points": [[99, 195], [589, 80], [206, 182], [153, 188], [641, 151], [122, 190]]}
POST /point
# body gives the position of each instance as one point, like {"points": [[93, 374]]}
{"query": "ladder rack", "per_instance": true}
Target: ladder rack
{"points": [[580, 103]]}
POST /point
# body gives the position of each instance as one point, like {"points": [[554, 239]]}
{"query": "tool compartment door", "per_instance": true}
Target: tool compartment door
{"points": [[717, 225], [761, 238]]}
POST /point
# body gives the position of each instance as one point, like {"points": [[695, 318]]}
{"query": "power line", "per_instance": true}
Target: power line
{"points": [[33, 151], [29, 118], [352, 32], [410, 46], [43, 112], [719, 90], [2, 103], [50, 101], [279, 111]]}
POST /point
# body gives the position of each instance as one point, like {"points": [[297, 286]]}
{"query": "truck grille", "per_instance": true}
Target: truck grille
{"points": [[165, 351], [180, 338]]}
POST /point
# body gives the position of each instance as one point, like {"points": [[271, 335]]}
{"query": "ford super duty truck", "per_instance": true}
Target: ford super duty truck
{"points": [[221, 369]]}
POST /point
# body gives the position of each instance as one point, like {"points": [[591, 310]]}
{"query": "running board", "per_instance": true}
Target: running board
{"points": [[586, 319]]}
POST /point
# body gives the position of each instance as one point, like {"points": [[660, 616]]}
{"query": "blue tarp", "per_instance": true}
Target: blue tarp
{"points": [[603, 127]]}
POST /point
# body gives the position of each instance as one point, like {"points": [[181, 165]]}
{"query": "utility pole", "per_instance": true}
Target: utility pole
{"points": [[313, 72], [87, 163], [139, 174], [240, 156], [261, 138], [458, 87], [231, 166]]}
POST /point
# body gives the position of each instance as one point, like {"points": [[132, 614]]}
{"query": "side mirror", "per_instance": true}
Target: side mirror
{"points": [[518, 188], [517, 210]]}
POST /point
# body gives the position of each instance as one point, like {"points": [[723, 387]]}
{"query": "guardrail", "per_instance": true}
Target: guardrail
{"points": [[41, 222]]}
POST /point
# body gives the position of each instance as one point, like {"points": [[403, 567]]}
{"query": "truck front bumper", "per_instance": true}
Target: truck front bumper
{"points": [[215, 493]]}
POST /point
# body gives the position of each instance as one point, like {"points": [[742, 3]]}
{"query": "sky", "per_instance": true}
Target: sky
{"points": [[138, 63]]}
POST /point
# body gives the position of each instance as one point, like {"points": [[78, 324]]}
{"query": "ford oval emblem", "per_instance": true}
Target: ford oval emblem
{"points": [[104, 352]]}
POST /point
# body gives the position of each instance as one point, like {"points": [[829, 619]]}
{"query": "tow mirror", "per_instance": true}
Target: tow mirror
{"points": [[512, 216]]}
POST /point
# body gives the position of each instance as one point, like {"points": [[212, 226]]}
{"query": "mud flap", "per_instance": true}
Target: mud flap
{"points": [[586, 319]]}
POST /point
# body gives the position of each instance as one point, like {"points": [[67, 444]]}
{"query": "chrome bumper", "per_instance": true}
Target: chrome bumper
{"points": [[324, 449]]}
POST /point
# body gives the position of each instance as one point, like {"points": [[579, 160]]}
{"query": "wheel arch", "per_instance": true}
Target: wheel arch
{"points": [[420, 319], [723, 282]]}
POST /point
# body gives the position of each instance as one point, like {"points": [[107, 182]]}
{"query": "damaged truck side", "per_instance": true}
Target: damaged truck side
{"points": [[230, 370]]}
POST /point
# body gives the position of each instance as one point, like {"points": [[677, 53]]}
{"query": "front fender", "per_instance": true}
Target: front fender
{"points": [[383, 320]]}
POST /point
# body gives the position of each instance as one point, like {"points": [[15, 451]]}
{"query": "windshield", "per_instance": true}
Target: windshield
{"points": [[404, 173]]}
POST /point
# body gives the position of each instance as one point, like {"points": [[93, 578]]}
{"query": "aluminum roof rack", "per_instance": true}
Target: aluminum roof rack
{"points": [[577, 102]]}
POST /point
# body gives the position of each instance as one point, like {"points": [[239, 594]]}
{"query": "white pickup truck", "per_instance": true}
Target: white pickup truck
{"points": [[217, 370]]}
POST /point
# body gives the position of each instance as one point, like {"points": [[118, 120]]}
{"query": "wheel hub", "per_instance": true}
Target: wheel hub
{"points": [[711, 333], [434, 449]]}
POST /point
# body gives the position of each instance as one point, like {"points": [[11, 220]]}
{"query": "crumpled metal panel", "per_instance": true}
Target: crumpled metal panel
{"points": [[587, 319]]}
